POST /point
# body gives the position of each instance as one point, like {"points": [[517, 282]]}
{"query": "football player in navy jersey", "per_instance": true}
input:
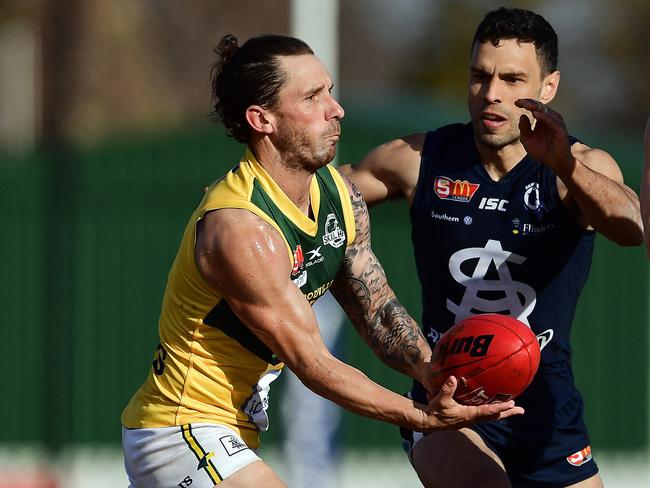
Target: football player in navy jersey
{"points": [[645, 186], [504, 210]]}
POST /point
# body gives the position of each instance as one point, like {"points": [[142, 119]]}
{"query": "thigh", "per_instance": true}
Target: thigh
{"points": [[255, 474], [457, 458], [196, 455], [593, 482]]}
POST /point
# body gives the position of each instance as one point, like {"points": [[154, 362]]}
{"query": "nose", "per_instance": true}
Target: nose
{"points": [[492, 90], [336, 110]]}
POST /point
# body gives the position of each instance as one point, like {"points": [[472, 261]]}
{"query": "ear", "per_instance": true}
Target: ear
{"points": [[549, 87], [260, 119]]}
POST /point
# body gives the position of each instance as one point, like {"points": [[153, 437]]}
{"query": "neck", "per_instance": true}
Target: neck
{"points": [[498, 161], [294, 182]]}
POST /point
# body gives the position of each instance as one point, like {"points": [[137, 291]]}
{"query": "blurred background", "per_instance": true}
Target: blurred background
{"points": [[105, 147]]}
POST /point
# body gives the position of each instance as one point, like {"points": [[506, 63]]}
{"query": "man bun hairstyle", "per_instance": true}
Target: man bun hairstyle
{"points": [[247, 75], [524, 26]]}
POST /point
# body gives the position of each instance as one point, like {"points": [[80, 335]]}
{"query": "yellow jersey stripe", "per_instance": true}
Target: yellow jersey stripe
{"points": [[346, 204]]}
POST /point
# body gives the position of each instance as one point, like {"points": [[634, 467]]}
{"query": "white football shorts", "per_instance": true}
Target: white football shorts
{"points": [[196, 455]]}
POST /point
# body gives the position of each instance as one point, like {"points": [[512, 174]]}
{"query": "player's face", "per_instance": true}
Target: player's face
{"points": [[308, 115], [499, 75]]}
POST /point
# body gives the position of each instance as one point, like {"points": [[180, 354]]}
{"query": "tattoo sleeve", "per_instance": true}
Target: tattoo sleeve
{"points": [[362, 290]]}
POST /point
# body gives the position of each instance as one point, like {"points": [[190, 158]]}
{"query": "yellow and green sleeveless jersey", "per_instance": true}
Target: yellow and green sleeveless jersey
{"points": [[209, 367]]}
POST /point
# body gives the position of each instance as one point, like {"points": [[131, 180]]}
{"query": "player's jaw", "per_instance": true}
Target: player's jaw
{"points": [[302, 151], [495, 126]]}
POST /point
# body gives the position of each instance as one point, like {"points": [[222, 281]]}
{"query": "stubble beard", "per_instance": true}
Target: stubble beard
{"points": [[297, 152], [495, 141]]}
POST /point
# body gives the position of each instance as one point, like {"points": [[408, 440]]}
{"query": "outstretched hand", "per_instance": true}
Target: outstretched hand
{"points": [[548, 142], [443, 412]]}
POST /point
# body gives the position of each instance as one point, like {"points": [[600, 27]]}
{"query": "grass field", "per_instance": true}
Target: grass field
{"points": [[102, 468]]}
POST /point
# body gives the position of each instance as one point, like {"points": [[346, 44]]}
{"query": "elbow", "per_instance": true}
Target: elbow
{"points": [[630, 239]]}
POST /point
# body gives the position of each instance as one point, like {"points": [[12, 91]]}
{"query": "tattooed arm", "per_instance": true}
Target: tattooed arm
{"points": [[362, 290]]}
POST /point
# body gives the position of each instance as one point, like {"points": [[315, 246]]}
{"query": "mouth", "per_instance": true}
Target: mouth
{"points": [[492, 120]]}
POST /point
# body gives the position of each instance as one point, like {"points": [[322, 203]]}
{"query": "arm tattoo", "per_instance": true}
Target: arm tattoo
{"points": [[362, 290]]}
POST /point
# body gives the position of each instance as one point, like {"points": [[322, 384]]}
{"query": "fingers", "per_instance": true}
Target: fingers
{"points": [[496, 411], [535, 107], [449, 387], [525, 128]]}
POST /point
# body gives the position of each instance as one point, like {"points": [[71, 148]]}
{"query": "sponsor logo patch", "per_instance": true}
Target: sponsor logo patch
{"points": [[298, 261], [493, 204], [543, 338], [334, 235], [315, 257], [530, 229], [457, 190], [298, 273], [581, 457], [479, 397], [232, 444], [444, 216], [531, 197]]}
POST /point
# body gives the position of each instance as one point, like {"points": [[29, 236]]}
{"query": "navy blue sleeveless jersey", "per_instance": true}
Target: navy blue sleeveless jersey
{"points": [[508, 247]]}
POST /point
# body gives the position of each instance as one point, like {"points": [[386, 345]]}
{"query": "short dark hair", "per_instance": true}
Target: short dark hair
{"points": [[525, 26], [249, 75]]}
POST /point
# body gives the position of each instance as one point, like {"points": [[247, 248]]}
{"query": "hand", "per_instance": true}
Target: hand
{"points": [[548, 143], [443, 412]]}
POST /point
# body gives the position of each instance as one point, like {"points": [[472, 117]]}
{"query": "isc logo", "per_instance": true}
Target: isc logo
{"points": [[493, 204], [474, 346]]}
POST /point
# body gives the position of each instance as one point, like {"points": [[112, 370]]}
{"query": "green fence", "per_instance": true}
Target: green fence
{"points": [[89, 235]]}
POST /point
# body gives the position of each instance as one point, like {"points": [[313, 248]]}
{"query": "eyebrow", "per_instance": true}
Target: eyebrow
{"points": [[508, 74], [317, 89]]}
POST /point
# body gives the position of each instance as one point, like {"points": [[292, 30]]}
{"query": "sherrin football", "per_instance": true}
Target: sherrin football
{"points": [[494, 357]]}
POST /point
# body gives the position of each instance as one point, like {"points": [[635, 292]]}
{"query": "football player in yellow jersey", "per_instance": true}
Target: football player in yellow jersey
{"points": [[266, 241]]}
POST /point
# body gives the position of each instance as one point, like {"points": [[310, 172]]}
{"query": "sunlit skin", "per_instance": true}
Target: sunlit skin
{"points": [[500, 75], [304, 128]]}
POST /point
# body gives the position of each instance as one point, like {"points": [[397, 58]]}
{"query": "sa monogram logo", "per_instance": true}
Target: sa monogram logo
{"points": [[458, 190], [517, 298]]}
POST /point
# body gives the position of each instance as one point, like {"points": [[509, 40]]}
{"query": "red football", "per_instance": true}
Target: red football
{"points": [[494, 357]]}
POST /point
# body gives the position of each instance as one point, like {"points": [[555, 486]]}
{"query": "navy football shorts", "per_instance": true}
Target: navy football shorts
{"points": [[547, 447]]}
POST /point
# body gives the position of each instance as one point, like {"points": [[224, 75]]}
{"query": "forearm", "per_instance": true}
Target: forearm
{"points": [[397, 340], [354, 391], [608, 206], [387, 328]]}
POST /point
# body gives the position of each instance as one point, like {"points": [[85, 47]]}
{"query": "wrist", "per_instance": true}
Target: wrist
{"points": [[566, 169]]}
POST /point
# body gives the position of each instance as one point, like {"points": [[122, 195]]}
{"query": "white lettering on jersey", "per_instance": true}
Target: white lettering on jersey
{"points": [[257, 404], [519, 298]]}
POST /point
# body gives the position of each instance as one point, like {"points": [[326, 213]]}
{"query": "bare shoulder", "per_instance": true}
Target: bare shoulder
{"points": [[398, 156], [235, 243], [597, 160], [390, 170]]}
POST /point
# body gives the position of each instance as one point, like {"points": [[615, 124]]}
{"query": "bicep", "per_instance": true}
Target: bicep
{"points": [[246, 260], [361, 286], [374, 189], [599, 161]]}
